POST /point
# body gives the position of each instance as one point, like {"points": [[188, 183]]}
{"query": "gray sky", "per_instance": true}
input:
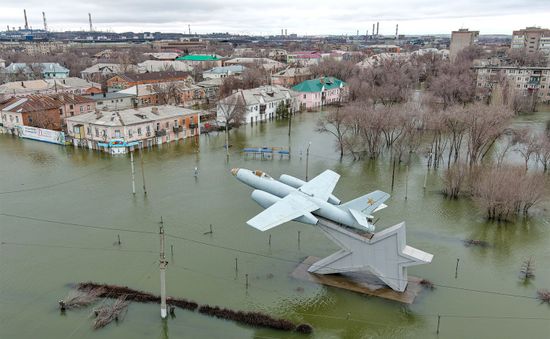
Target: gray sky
{"points": [[269, 16]]}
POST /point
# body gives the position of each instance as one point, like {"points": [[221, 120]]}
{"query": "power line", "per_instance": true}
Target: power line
{"points": [[56, 184], [253, 253], [10, 243]]}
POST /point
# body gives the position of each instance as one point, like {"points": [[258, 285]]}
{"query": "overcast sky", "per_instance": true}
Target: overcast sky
{"points": [[267, 17]]}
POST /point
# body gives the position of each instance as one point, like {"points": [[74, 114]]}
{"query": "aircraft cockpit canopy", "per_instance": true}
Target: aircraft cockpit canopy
{"points": [[262, 174]]}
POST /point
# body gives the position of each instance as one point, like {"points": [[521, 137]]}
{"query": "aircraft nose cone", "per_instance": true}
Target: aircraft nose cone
{"points": [[234, 171]]}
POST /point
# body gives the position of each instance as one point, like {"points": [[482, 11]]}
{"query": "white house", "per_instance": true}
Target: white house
{"points": [[223, 72], [261, 103]]}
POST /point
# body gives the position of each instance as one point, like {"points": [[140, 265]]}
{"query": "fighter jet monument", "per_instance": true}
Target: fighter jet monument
{"points": [[384, 254]]}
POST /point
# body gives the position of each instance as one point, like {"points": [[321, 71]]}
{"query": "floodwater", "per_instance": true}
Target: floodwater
{"points": [[51, 195]]}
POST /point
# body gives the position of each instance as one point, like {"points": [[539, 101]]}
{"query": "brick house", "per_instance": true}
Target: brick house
{"points": [[40, 111]]}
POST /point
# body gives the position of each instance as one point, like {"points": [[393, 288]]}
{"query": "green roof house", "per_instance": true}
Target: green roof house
{"points": [[320, 92], [201, 59]]}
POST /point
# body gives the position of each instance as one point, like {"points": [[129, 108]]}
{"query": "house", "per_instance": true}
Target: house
{"points": [[319, 92], [112, 101], [267, 64], [211, 89], [48, 86], [102, 70], [291, 76], [39, 110], [123, 81], [223, 72], [44, 70], [163, 55], [260, 103], [143, 127], [203, 61], [73, 104], [180, 93], [163, 65]]}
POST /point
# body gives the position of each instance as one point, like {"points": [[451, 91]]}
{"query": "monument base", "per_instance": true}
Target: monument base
{"points": [[360, 282]]}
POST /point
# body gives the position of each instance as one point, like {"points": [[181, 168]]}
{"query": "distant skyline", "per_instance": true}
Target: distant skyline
{"points": [[268, 17]]}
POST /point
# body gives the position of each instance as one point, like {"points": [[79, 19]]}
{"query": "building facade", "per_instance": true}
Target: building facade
{"points": [[532, 39], [520, 80], [291, 76], [461, 39], [316, 93], [223, 72], [145, 126], [123, 81], [259, 104]]}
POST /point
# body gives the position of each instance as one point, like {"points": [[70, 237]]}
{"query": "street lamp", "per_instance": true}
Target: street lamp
{"points": [[307, 159]]}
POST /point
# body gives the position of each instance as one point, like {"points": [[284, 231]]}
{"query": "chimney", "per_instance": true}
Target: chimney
{"points": [[22, 84], [377, 27], [155, 110], [372, 29]]}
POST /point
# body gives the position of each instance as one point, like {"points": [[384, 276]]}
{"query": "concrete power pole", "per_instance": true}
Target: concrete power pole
{"points": [[90, 20], [45, 24], [163, 264]]}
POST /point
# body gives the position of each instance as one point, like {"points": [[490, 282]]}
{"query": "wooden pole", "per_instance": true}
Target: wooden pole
{"points": [[438, 322], [456, 269], [307, 159]]}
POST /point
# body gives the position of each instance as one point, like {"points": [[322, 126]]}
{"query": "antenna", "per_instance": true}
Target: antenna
{"points": [[45, 24], [90, 19], [26, 22]]}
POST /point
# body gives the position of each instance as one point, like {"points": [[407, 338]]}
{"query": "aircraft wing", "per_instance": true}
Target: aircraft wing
{"points": [[321, 186], [290, 207]]}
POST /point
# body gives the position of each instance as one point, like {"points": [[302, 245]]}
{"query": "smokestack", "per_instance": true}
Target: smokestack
{"points": [[357, 32], [189, 27], [282, 30], [377, 27], [26, 22], [90, 19], [286, 32], [372, 29], [45, 24], [396, 31]]}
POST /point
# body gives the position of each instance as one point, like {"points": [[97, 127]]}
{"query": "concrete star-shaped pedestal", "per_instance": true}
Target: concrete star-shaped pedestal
{"points": [[385, 254]]}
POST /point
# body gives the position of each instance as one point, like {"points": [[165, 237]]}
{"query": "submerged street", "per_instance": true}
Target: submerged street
{"points": [[63, 209]]}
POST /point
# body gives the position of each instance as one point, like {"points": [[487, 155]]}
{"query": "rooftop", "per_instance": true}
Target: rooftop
{"points": [[317, 85], [133, 116], [198, 58], [226, 69]]}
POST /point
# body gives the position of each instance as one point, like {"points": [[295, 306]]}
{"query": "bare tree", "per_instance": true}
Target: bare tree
{"points": [[233, 111], [336, 123]]}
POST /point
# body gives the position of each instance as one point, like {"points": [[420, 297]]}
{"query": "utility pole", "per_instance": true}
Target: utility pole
{"points": [[163, 264], [133, 171], [307, 159], [142, 170]]}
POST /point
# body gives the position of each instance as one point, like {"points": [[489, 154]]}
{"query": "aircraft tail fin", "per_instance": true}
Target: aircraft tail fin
{"points": [[368, 203]]}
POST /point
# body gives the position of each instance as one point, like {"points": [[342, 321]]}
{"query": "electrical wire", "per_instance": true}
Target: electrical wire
{"points": [[227, 248]]}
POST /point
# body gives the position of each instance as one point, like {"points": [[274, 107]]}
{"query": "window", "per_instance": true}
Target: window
{"points": [[17, 119], [167, 124], [117, 133], [88, 130], [139, 131], [81, 109], [61, 111], [88, 107], [96, 132], [71, 106], [76, 129], [130, 133], [11, 118]]}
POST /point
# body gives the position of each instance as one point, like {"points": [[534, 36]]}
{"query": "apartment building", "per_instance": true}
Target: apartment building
{"points": [[115, 132], [532, 39], [461, 39], [523, 80]]}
